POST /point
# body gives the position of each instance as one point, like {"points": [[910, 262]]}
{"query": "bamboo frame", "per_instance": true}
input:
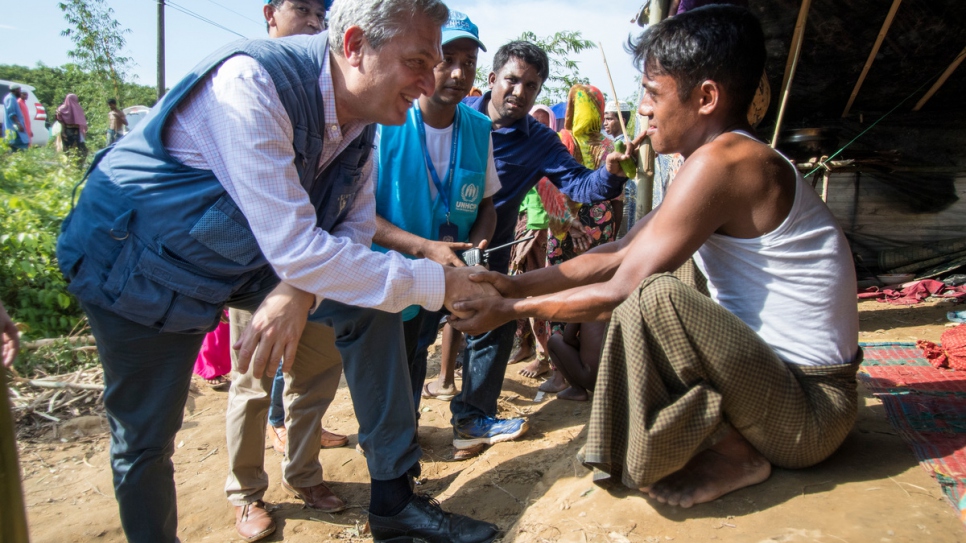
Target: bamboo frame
{"points": [[942, 79], [790, 66], [875, 51]]}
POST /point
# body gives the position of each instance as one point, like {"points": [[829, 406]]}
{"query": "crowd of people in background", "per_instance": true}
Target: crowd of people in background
{"points": [[335, 229]]}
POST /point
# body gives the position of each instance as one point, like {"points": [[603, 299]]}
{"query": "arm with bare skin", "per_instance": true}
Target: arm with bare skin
{"points": [[588, 287], [9, 338], [392, 237]]}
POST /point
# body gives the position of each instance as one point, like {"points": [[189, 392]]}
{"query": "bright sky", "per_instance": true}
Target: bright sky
{"points": [[35, 35]]}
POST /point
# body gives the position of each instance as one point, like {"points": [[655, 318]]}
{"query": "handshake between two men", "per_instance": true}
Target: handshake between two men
{"points": [[273, 335]]}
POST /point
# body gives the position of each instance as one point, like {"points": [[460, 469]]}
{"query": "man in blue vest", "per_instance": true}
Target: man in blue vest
{"points": [[525, 151], [448, 144], [250, 185], [309, 392]]}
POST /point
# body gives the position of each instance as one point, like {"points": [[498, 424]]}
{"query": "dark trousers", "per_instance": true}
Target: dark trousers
{"points": [[486, 359], [420, 332], [147, 374]]}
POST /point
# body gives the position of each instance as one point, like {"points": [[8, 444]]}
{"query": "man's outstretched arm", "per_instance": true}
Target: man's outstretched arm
{"points": [[589, 287]]}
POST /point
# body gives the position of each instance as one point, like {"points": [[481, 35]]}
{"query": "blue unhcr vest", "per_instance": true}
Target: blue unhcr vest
{"points": [[402, 191], [163, 244]]}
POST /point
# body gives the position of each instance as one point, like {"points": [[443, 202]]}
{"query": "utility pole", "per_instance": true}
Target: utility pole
{"points": [[160, 49]]}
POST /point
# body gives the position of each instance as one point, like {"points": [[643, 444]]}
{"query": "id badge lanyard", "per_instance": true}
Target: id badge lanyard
{"points": [[441, 187]]}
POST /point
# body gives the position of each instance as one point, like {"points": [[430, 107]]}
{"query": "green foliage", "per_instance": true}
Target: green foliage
{"points": [[97, 75], [57, 358], [98, 39], [53, 84], [564, 72], [35, 195]]}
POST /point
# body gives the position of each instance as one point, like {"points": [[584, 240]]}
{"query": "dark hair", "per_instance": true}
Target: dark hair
{"points": [[718, 42], [525, 51], [111, 102]]}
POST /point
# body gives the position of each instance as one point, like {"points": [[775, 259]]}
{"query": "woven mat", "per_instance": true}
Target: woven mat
{"points": [[927, 406]]}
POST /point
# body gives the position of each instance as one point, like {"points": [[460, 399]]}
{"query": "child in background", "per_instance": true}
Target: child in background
{"points": [[576, 355]]}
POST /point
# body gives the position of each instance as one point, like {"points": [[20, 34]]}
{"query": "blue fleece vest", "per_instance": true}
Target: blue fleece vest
{"points": [[163, 244], [402, 191]]}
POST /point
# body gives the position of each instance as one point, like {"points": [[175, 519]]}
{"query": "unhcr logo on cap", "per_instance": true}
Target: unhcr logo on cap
{"points": [[459, 26]]}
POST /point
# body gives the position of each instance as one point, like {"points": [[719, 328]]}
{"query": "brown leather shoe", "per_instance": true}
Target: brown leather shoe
{"points": [[317, 497], [331, 440], [253, 522], [279, 437]]}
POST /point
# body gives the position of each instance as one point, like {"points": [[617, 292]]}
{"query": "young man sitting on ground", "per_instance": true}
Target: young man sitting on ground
{"points": [[696, 396]]}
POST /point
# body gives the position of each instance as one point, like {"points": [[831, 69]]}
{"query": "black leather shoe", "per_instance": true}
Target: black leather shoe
{"points": [[423, 520]]}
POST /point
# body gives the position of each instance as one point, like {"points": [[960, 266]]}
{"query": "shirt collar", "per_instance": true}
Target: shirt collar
{"points": [[523, 125], [332, 128]]}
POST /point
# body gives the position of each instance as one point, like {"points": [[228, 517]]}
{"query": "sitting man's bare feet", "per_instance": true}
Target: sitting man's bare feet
{"points": [[726, 466], [574, 394], [536, 368], [555, 383]]}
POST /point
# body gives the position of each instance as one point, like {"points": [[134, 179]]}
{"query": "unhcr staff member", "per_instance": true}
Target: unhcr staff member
{"points": [[257, 167], [697, 396]]}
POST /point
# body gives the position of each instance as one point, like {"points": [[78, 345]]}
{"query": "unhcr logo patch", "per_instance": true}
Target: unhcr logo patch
{"points": [[468, 196], [470, 192]]}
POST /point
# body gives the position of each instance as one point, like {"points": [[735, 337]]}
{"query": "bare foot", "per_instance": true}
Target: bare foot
{"points": [[728, 465], [555, 383], [536, 368], [434, 390], [573, 394], [523, 353]]}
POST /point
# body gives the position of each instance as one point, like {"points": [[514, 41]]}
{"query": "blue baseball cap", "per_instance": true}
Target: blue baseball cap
{"points": [[459, 26]]}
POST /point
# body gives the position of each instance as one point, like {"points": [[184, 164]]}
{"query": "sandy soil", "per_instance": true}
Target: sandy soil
{"points": [[871, 490]]}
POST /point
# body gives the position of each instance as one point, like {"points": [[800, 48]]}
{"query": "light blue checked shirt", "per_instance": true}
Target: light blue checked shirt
{"points": [[234, 124]]}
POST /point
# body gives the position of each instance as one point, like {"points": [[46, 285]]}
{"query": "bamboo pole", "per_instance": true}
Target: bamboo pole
{"points": [[645, 153], [942, 79], [872, 54], [613, 89], [793, 54]]}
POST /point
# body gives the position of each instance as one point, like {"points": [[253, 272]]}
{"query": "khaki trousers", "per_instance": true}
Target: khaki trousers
{"points": [[310, 386]]}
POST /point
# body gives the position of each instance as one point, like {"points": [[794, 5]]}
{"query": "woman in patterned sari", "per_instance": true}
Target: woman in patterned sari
{"points": [[576, 228]]}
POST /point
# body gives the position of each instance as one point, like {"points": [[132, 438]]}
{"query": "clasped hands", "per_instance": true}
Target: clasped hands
{"points": [[474, 296], [477, 299]]}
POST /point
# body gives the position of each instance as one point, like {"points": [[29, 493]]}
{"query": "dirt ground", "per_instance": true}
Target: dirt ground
{"points": [[871, 490]]}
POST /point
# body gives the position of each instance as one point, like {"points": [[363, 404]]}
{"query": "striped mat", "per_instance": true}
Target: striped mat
{"points": [[927, 406]]}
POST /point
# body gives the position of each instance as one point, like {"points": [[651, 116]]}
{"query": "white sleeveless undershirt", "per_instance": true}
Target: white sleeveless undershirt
{"points": [[794, 286]]}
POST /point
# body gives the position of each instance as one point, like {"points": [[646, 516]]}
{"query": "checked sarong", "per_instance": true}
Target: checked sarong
{"points": [[678, 371]]}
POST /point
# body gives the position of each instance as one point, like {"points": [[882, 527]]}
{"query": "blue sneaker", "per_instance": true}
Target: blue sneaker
{"points": [[487, 431]]}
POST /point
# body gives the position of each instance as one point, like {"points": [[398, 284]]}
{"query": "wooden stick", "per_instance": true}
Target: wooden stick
{"points": [[791, 65], [56, 384], [942, 79], [872, 54], [613, 89], [74, 341]]}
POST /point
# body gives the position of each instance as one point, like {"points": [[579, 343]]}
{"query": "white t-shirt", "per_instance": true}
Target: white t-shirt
{"points": [[439, 143], [794, 286]]}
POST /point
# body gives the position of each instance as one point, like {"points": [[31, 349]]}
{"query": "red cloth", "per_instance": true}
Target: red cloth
{"points": [[214, 359], [914, 293], [26, 117], [952, 351]]}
